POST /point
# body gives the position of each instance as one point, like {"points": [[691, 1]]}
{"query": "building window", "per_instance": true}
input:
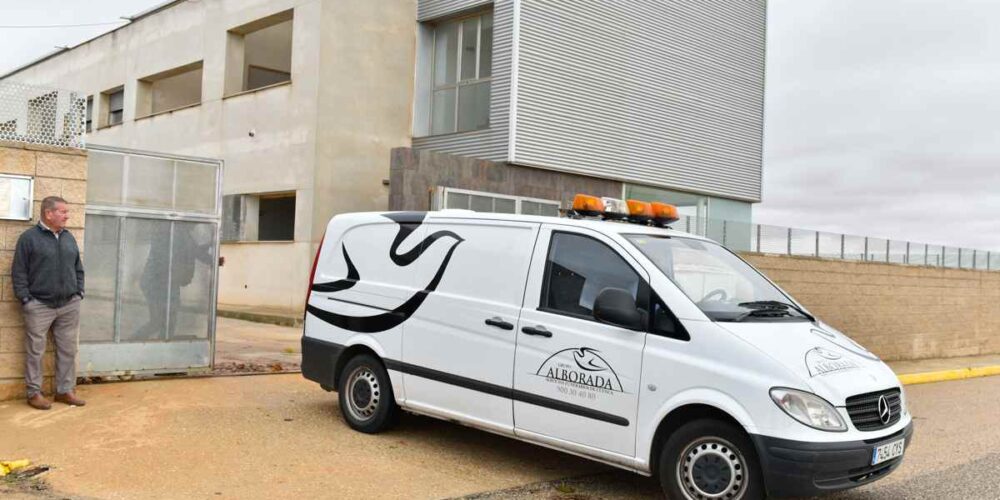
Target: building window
{"points": [[479, 201], [171, 89], [259, 54], [258, 217], [114, 101], [276, 219], [90, 114], [462, 70]]}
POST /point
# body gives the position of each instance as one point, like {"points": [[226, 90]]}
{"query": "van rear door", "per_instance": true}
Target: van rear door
{"points": [[458, 347]]}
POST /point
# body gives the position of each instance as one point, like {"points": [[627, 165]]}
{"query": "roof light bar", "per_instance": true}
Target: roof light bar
{"points": [[635, 211]]}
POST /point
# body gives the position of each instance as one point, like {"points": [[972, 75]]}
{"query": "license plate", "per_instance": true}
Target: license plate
{"points": [[888, 451]]}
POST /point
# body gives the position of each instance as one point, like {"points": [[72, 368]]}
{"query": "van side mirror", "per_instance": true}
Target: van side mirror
{"points": [[615, 306]]}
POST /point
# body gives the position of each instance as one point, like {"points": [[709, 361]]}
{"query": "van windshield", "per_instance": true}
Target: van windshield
{"points": [[723, 286]]}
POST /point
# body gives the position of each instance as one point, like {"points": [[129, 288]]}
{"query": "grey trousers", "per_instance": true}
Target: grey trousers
{"points": [[63, 321]]}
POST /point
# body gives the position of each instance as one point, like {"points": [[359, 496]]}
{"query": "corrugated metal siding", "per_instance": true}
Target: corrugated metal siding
{"points": [[491, 143], [666, 93], [428, 10]]}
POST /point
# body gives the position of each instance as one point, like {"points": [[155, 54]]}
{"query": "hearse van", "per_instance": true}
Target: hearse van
{"points": [[603, 334]]}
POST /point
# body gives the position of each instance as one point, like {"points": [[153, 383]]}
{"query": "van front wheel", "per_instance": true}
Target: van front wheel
{"points": [[365, 396], [710, 459]]}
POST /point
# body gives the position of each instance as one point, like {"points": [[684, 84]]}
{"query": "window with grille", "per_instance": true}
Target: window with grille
{"points": [[479, 201], [462, 71]]}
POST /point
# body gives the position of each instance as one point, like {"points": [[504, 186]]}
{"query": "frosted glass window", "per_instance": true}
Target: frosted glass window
{"points": [[195, 187], [104, 178], [150, 182], [97, 320]]}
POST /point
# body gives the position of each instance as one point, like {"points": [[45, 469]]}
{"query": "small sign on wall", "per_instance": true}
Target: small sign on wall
{"points": [[16, 193]]}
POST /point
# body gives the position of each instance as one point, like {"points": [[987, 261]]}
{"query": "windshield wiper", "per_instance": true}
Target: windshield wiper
{"points": [[767, 306]]}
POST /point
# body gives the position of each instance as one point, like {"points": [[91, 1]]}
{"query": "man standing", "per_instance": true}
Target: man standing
{"points": [[48, 280]]}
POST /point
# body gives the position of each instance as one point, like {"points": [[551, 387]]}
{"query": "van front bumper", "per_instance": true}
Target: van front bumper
{"points": [[798, 468]]}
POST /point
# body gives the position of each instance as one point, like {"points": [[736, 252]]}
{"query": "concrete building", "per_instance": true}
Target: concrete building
{"points": [[504, 105]]}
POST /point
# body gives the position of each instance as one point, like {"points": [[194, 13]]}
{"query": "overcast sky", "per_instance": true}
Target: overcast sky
{"points": [[881, 117]]}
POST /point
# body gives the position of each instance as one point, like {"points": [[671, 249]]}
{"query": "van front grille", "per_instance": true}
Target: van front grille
{"points": [[864, 410]]}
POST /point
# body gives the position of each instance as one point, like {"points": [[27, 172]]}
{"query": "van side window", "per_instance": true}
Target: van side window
{"points": [[664, 322], [578, 268]]}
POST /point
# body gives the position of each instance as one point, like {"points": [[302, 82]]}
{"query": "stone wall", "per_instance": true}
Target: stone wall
{"points": [[57, 171], [414, 174], [898, 312]]}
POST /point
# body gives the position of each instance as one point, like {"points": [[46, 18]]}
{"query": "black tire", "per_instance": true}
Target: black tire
{"points": [[365, 395], [717, 456]]}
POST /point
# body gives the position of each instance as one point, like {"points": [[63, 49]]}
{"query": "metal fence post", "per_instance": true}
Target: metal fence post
{"points": [[888, 244], [959, 257], [865, 256], [906, 259], [974, 258], [758, 238], [724, 232], [842, 236], [789, 241], [817, 243], [988, 254], [927, 251]]}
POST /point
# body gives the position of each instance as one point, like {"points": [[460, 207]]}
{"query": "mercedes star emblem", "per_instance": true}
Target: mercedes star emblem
{"points": [[884, 412]]}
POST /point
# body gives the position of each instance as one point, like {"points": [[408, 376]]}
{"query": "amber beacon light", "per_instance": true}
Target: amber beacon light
{"points": [[588, 206], [664, 213], [639, 211]]}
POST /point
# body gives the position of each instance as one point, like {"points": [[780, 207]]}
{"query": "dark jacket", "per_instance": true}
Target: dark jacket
{"points": [[46, 268]]}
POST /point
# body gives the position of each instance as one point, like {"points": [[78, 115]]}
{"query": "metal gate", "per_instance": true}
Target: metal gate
{"points": [[151, 248]]}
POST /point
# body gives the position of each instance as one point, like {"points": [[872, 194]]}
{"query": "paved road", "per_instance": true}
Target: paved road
{"points": [[955, 454], [279, 436]]}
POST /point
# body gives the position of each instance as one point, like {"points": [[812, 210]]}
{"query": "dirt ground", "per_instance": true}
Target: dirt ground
{"points": [[280, 436], [267, 436]]}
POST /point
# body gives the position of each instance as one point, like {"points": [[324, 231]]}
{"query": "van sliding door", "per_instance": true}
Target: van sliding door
{"points": [[458, 347]]}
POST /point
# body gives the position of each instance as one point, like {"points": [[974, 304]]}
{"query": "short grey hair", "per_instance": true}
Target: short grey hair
{"points": [[49, 203]]}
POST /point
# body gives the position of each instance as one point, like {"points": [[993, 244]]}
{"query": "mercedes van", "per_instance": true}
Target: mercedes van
{"points": [[603, 334]]}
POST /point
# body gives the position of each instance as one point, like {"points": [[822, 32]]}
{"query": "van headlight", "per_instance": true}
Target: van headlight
{"points": [[809, 409]]}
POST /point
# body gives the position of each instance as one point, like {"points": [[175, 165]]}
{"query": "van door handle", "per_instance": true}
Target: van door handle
{"points": [[498, 322], [537, 330]]}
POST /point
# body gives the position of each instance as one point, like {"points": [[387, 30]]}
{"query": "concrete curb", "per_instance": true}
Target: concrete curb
{"points": [[944, 375], [273, 319]]}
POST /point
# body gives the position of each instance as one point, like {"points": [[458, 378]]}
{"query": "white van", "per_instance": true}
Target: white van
{"points": [[641, 347]]}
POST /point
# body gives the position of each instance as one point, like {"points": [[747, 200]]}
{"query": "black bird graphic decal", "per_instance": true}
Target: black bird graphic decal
{"points": [[408, 222]]}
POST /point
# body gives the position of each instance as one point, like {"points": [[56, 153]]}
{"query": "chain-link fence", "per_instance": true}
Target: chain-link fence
{"points": [[762, 238], [42, 115]]}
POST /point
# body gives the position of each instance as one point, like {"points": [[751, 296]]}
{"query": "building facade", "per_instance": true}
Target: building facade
{"points": [[305, 100]]}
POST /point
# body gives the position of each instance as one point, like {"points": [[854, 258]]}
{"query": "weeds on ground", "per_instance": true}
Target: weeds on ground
{"points": [[14, 484]]}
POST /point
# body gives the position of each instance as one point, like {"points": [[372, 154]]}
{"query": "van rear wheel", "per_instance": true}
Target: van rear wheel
{"points": [[365, 396], [710, 459]]}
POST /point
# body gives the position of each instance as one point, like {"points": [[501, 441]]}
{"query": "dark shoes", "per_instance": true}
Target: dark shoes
{"points": [[70, 399], [39, 402]]}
